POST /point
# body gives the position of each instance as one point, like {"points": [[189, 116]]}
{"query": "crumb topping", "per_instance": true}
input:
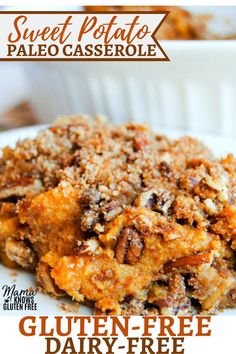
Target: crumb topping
{"points": [[121, 217]]}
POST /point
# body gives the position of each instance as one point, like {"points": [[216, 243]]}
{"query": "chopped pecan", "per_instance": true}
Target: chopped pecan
{"points": [[45, 281], [137, 307], [220, 185], [87, 247], [155, 199], [233, 245], [210, 206], [111, 209], [190, 210], [165, 169], [88, 220], [18, 251], [129, 247], [193, 260], [21, 187], [90, 197], [212, 187], [211, 285], [172, 299]]}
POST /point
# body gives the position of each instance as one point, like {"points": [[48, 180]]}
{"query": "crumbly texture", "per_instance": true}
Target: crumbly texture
{"points": [[125, 220]]}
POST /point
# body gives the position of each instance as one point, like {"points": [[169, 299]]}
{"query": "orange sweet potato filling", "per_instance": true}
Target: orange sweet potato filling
{"points": [[101, 279]]}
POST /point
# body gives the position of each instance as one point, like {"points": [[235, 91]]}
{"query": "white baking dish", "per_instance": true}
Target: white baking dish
{"points": [[196, 91]]}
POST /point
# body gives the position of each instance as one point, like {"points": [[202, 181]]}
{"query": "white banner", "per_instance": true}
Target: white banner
{"points": [[81, 36], [118, 335]]}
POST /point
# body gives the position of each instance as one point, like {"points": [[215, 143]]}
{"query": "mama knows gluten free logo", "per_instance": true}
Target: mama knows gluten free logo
{"points": [[14, 299], [81, 36]]}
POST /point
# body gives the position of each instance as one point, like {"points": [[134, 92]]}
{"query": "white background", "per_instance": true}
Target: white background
{"points": [[56, 3], [221, 341]]}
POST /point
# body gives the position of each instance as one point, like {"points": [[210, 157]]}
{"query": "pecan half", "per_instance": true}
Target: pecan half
{"points": [[193, 260], [129, 247]]}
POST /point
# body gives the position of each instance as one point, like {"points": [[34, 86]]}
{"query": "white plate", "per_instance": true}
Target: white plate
{"points": [[23, 280]]}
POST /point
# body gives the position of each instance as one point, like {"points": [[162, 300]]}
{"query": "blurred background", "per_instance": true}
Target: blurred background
{"points": [[195, 92]]}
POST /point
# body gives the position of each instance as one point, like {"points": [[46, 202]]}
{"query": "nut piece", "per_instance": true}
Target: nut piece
{"points": [[129, 247], [87, 247], [45, 281], [210, 206], [6, 261], [155, 199], [21, 187], [90, 197], [220, 185], [172, 299], [18, 251], [88, 220], [111, 209]]}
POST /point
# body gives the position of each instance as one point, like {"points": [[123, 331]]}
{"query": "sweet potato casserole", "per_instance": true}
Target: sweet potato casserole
{"points": [[121, 218]]}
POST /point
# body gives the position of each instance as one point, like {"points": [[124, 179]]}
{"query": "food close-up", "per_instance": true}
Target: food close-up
{"points": [[121, 218], [118, 177]]}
